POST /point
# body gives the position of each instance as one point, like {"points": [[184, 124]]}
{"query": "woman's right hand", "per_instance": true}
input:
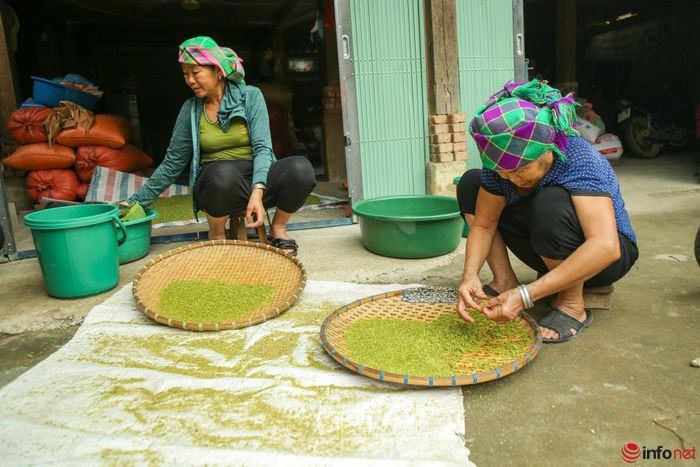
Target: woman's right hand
{"points": [[123, 203], [467, 293], [255, 206]]}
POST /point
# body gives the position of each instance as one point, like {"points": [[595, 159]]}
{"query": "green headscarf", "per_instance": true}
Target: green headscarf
{"points": [[521, 122], [203, 50]]}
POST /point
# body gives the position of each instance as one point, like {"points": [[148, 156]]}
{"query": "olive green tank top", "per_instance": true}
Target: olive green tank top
{"points": [[215, 145]]}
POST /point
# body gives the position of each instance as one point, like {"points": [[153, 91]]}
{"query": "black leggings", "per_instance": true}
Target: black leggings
{"points": [[224, 187], [544, 224]]}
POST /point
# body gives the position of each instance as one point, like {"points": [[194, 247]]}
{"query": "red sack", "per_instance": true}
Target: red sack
{"points": [[39, 156], [108, 130], [25, 124], [82, 190], [127, 159], [57, 183]]}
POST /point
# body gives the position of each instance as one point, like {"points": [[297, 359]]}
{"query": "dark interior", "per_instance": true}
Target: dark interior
{"points": [[639, 50], [129, 49], [645, 51]]}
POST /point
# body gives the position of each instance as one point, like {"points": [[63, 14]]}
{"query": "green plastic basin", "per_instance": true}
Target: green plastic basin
{"points": [[138, 239], [77, 248], [409, 226]]}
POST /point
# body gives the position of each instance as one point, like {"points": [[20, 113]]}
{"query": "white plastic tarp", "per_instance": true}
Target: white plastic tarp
{"points": [[127, 390]]}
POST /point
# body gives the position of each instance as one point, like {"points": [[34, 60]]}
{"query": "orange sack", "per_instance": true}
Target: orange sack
{"points": [[57, 183], [108, 130], [127, 159], [82, 190], [25, 125], [39, 156]]}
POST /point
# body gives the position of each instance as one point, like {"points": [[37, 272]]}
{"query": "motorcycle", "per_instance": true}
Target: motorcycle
{"points": [[647, 131]]}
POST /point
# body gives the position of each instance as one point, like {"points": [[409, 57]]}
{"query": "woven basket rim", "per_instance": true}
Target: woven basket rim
{"points": [[409, 380], [259, 317]]}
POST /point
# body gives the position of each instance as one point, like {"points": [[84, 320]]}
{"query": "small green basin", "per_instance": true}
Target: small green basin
{"points": [[410, 226], [138, 240]]}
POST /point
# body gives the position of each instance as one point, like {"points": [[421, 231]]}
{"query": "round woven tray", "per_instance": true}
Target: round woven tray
{"points": [[229, 261], [422, 304]]}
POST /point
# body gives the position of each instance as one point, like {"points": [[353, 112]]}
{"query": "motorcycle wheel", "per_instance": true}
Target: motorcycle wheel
{"points": [[634, 137], [697, 247]]}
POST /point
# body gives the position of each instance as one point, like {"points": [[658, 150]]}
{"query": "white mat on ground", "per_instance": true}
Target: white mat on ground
{"points": [[125, 389]]}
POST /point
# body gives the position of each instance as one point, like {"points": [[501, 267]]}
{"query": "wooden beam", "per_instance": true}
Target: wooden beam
{"points": [[441, 56], [331, 50], [565, 41], [333, 137], [279, 57], [8, 82], [285, 13], [306, 17]]}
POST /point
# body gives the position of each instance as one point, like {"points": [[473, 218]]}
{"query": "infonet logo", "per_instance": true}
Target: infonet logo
{"points": [[631, 453]]}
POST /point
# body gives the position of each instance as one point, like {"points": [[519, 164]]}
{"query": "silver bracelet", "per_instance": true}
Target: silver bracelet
{"points": [[525, 297]]}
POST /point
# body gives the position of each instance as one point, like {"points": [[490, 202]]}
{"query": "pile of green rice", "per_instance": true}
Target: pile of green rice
{"points": [[195, 301], [418, 348]]}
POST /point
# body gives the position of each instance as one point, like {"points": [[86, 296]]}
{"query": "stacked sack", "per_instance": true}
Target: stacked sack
{"points": [[592, 128], [64, 169]]}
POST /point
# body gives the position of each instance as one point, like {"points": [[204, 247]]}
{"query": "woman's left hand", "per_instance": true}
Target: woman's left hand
{"points": [[255, 206], [505, 307]]}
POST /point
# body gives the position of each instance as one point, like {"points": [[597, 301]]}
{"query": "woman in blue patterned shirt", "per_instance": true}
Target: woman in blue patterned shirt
{"points": [[547, 195]]}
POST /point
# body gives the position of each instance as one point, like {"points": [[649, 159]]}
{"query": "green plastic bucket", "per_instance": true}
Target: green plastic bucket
{"points": [[409, 226], [465, 229], [77, 248], [138, 240]]}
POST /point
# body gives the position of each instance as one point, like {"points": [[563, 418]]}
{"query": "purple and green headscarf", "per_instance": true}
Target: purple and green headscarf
{"points": [[521, 122], [203, 50]]}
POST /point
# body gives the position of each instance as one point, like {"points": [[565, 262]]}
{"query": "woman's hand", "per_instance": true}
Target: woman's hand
{"points": [[123, 203], [255, 206], [505, 307], [468, 290]]}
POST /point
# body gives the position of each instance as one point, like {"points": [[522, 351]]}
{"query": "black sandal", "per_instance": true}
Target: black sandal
{"points": [[558, 321], [285, 244]]}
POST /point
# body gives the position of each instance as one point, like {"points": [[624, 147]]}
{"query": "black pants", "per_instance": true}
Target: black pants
{"points": [[224, 187], [544, 224]]}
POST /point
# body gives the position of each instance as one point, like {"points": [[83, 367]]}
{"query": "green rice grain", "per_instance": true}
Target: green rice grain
{"points": [[253, 419], [179, 207], [312, 200], [127, 457], [173, 208], [194, 301], [442, 348]]}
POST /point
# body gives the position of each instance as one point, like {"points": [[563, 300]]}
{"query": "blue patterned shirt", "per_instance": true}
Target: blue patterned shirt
{"points": [[584, 172]]}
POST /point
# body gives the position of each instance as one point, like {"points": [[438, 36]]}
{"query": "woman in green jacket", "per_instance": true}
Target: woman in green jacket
{"points": [[224, 131]]}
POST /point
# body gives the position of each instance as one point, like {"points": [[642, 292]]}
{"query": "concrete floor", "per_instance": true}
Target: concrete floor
{"points": [[626, 379]]}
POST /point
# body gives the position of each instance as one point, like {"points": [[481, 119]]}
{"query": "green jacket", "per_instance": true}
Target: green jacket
{"points": [[242, 101]]}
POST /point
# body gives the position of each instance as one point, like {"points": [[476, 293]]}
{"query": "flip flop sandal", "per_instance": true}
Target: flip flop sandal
{"points": [[490, 291], [286, 244], [558, 321]]}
